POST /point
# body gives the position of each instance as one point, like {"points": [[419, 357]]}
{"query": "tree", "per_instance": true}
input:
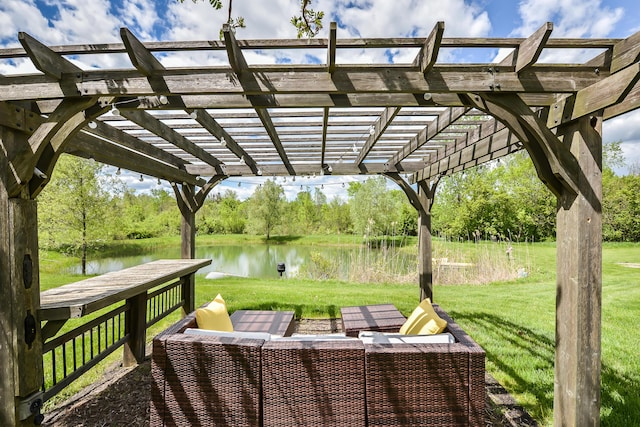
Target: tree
{"points": [[372, 206], [503, 199], [308, 23], [265, 207], [74, 206]]}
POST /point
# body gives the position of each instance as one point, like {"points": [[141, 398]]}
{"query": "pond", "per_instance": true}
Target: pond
{"points": [[261, 260]]}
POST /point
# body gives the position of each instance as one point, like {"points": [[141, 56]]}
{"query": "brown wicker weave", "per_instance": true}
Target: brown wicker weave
{"points": [[216, 381], [426, 384], [313, 383], [204, 380]]}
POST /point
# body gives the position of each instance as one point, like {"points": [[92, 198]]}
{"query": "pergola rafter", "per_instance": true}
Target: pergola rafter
{"points": [[426, 118]]}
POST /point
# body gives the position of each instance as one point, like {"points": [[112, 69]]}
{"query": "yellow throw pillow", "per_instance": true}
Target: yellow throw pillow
{"points": [[214, 316], [423, 321]]}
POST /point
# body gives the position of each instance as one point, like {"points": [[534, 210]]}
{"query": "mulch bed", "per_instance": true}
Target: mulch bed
{"points": [[121, 397]]}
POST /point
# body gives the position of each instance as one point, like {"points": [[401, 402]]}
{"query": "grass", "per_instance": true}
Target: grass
{"points": [[514, 321]]}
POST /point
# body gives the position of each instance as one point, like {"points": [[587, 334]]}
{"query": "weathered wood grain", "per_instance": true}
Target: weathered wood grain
{"points": [[86, 296]]}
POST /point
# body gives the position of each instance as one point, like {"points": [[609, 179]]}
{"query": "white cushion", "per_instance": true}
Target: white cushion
{"points": [[235, 334], [304, 337], [369, 337]]}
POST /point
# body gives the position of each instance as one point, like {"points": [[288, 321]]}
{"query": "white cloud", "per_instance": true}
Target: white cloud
{"points": [[572, 18], [140, 14], [21, 15], [625, 129]]}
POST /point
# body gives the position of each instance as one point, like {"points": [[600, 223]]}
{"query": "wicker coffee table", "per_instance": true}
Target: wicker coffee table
{"points": [[274, 322], [380, 317]]}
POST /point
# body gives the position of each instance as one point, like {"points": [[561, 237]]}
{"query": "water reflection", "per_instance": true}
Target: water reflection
{"points": [[261, 260]]}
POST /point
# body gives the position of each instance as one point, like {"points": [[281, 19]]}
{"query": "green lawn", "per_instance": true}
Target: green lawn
{"points": [[513, 321]]}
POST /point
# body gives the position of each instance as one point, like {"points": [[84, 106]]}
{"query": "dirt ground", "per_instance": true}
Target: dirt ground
{"points": [[121, 397]]}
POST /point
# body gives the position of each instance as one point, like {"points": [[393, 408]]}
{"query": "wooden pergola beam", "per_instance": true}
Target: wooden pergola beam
{"points": [[325, 126], [214, 128], [50, 63], [134, 144], [555, 165], [625, 53], [268, 81], [140, 56], [344, 168], [331, 48], [491, 147], [428, 54], [89, 146], [606, 93], [249, 80], [379, 127], [444, 120], [530, 49], [147, 121]]}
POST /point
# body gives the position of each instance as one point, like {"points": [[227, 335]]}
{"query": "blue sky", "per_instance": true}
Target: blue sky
{"points": [[99, 21]]}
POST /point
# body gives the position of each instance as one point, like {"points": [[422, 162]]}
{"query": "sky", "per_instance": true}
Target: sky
{"points": [[56, 22]]}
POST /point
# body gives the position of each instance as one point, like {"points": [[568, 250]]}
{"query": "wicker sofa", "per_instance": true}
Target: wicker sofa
{"points": [[227, 381]]}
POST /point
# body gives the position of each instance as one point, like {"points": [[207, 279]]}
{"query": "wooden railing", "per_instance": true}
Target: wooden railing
{"points": [[135, 298]]}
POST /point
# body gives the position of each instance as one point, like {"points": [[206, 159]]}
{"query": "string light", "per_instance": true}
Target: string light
{"points": [[193, 114], [242, 162], [223, 142], [372, 130], [114, 110], [259, 172], [118, 172], [93, 124], [163, 100], [141, 178]]}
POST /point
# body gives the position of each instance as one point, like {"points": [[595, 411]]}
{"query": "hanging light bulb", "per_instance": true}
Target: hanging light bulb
{"points": [[259, 172], [118, 172], [193, 114], [343, 185], [159, 183], [242, 162], [223, 142], [114, 110], [372, 130], [163, 100], [141, 178], [294, 178], [239, 183], [92, 124], [330, 169], [354, 148], [322, 187], [301, 188]]}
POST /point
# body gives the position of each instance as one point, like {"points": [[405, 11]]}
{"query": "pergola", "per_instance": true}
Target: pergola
{"points": [[196, 126]]}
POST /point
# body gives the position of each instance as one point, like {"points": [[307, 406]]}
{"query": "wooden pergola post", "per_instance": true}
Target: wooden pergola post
{"points": [[189, 202], [425, 255], [422, 200], [579, 282], [21, 374]]}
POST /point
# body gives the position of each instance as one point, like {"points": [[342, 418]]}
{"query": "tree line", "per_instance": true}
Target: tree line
{"points": [[82, 206]]}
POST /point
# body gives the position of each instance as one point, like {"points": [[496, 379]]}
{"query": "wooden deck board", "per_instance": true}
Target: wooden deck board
{"points": [[86, 296]]}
